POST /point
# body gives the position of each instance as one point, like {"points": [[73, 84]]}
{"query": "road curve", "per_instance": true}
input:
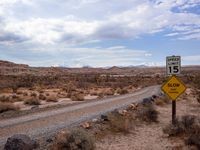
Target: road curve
{"points": [[48, 122]]}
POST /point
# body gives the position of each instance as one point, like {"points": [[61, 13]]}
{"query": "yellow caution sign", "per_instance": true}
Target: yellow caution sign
{"points": [[173, 88]]}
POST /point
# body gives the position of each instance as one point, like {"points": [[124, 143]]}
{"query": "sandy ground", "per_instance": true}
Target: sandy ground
{"points": [[150, 136]]}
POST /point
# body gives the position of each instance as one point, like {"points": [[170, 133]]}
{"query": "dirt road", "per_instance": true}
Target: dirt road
{"points": [[42, 124]]}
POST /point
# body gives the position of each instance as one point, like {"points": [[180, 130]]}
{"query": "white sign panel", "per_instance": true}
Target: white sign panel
{"points": [[173, 64]]}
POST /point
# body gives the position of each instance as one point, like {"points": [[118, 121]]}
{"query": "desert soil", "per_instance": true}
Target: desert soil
{"points": [[150, 136]]}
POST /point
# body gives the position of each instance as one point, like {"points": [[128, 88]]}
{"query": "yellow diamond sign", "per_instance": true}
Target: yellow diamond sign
{"points": [[173, 87]]}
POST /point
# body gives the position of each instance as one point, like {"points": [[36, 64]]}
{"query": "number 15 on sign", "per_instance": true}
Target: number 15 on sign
{"points": [[173, 65]]}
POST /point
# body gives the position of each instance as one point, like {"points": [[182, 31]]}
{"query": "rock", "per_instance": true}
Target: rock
{"points": [[133, 106], [86, 125], [94, 120], [20, 142], [104, 117], [123, 112], [154, 97], [147, 100], [34, 107]]}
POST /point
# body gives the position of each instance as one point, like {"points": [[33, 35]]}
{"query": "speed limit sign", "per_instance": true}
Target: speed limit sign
{"points": [[173, 64]]}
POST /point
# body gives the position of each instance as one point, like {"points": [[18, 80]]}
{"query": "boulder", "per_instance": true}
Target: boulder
{"points": [[20, 142], [147, 100]]}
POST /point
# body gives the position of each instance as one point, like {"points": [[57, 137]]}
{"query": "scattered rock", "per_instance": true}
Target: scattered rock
{"points": [[20, 142], [86, 125], [34, 107], [133, 106], [94, 120], [123, 112], [147, 100], [104, 117], [154, 97]]}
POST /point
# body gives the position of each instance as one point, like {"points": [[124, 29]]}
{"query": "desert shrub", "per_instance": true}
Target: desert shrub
{"points": [[109, 92], [32, 101], [25, 94], [119, 123], [4, 98], [51, 98], [182, 126], [7, 107], [122, 91], [147, 113], [159, 102], [198, 97], [194, 137], [75, 140], [14, 96], [77, 97], [34, 94], [100, 95], [187, 122], [19, 92], [42, 97], [173, 129]]}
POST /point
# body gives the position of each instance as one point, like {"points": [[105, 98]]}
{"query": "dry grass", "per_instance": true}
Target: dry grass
{"points": [[25, 93], [77, 97], [7, 107], [147, 113], [34, 94], [32, 101], [198, 97], [122, 91], [51, 98], [4, 98], [161, 101], [120, 123], [42, 97], [74, 140], [189, 127], [108, 92]]}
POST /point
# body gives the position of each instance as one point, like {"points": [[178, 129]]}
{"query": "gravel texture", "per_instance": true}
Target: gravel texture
{"points": [[46, 123]]}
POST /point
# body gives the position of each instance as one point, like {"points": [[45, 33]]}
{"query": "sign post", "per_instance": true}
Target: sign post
{"points": [[173, 87]]}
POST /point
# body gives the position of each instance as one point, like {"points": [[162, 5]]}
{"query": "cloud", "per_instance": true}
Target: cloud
{"points": [[120, 20], [78, 57], [195, 58]]}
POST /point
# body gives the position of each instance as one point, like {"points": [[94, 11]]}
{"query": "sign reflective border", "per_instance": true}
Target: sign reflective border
{"points": [[173, 87]]}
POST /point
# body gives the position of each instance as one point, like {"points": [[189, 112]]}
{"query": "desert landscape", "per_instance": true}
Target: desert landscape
{"points": [[99, 74], [141, 121]]}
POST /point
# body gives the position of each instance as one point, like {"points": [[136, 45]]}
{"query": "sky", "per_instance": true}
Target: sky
{"points": [[99, 33]]}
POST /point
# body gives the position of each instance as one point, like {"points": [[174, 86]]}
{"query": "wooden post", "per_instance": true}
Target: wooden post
{"points": [[173, 112]]}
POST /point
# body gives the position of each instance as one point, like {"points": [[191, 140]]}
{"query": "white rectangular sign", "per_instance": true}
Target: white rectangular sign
{"points": [[173, 64]]}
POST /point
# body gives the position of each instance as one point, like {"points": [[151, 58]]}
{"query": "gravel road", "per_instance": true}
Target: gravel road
{"points": [[45, 123]]}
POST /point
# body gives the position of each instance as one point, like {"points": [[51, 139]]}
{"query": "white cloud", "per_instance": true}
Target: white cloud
{"points": [[127, 21], [195, 58], [78, 57]]}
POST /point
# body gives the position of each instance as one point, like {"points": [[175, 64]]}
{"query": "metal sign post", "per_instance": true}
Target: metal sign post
{"points": [[173, 87]]}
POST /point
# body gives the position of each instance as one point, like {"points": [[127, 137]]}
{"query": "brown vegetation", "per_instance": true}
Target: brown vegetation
{"points": [[77, 97], [32, 101], [51, 98], [147, 113], [75, 140], [188, 126], [5, 106], [119, 122]]}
